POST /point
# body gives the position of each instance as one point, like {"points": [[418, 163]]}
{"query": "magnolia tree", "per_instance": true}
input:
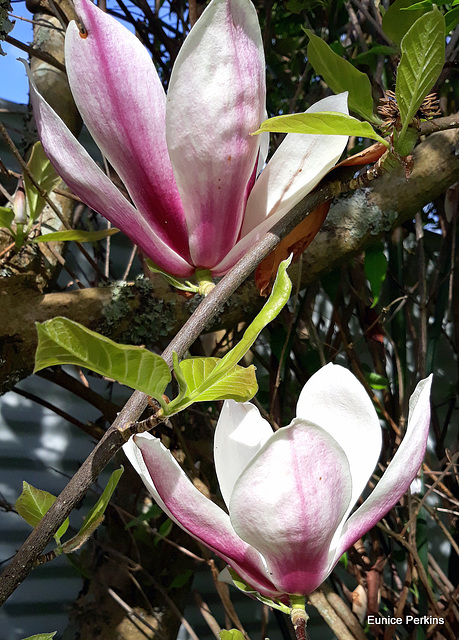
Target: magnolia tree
{"points": [[321, 491]]}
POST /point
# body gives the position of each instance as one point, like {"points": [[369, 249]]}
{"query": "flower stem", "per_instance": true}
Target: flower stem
{"points": [[299, 617], [205, 282]]}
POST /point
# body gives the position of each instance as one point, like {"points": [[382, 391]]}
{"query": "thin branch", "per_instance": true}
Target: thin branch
{"points": [[41, 55]]}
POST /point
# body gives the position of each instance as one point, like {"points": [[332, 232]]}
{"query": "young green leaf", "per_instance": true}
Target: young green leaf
{"points": [[396, 22], [99, 508], [423, 56], [329, 123], [75, 543], [95, 516], [231, 634], [213, 378], [42, 636], [62, 341], [77, 235], [43, 172], [375, 266], [201, 381], [32, 505], [276, 302], [180, 376], [166, 527], [239, 383], [341, 75], [6, 217]]}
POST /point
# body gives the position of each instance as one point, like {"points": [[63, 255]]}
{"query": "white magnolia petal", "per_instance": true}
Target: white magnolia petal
{"points": [[399, 474], [297, 166], [192, 511], [334, 399], [134, 455], [288, 502], [239, 435]]}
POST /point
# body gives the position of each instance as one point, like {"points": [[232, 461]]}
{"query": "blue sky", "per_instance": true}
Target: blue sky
{"points": [[13, 80]]}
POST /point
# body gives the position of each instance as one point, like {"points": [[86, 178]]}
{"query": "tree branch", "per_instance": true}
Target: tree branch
{"points": [[353, 223]]}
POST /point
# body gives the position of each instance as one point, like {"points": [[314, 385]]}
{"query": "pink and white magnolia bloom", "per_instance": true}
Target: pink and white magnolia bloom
{"points": [[290, 494], [187, 160]]}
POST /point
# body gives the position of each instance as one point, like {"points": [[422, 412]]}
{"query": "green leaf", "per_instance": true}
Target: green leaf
{"points": [[180, 376], [376, 381], [163, 531], [424, 4], [62, 341], [181, 580], [78, 541], [231, 634], [42, 636], [32, 505], [98, 510], [76, 235], [43, 172], [153, 512], [166, 527], [211, 379], [375, 266], [396, 22], [451, 19], [6, 217], [367, 57], [239, 383], [341, 75], [344, 560], [95, 516], [330, 123], [423, 56], [200, 380], [276, 302]]}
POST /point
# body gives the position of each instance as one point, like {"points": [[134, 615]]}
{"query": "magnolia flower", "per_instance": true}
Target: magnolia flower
{"points": [[290, 494], [188, 161]]}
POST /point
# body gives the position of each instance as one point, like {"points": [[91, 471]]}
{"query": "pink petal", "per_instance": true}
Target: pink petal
{"points": [[122, 102], [239, 435], [399, 474], [89, 183], [193, 512], [216, 97], [289, 501], [336, 401]]}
